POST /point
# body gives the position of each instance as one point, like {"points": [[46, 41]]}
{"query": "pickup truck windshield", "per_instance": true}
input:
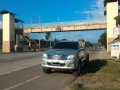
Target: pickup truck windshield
{"points": [[66, 45]]}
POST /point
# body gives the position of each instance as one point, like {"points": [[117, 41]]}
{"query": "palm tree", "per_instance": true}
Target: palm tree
{"points": [[47, 37]]}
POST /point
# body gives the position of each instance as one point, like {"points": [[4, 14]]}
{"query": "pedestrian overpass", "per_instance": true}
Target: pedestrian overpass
{"points": [[11, 34], [65, 26]]}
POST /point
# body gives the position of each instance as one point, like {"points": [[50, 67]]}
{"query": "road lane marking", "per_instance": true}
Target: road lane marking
{"points": [[22, 83], [4, 57], [22, 68]]}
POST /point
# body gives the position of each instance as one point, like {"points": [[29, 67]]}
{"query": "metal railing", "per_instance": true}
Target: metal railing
{"points": [[67, 23]]}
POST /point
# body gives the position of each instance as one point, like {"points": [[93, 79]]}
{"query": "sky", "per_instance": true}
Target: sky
{"points": [[49, 11]]}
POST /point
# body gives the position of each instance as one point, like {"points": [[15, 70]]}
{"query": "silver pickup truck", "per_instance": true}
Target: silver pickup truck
{"points": [[65, 56]]}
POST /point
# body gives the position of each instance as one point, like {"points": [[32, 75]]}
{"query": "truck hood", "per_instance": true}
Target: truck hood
{"points": [[65, 52]]}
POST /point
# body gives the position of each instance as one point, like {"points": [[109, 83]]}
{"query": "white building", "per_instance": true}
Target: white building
{"points": [[115, 48]]}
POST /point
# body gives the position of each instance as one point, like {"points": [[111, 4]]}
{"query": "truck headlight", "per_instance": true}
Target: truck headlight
{"points": [[71, 65], [71, 57], [45, 56]]}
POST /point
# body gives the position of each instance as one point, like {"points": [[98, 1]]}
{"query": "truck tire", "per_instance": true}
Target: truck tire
{"points": [[47, 70], [87, 60], [77, 72]]}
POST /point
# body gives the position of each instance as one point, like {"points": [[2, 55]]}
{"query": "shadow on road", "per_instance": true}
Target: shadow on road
{"points": [[93, 66]]}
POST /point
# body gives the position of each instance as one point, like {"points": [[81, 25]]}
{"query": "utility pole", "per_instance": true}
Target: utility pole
{"points": [[58, 20], [39, 20], [30, 34], [31, 28]]}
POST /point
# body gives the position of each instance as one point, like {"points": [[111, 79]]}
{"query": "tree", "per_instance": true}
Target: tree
{"points": [[88, 44], [47, 37], [103, 39], [117, 18]]}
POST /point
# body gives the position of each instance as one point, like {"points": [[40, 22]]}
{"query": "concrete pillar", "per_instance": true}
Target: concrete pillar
{"points": [[112, 12], [8, 33], [18, 40]]}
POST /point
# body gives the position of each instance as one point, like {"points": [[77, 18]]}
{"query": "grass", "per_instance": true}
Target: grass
{"points": [[99, 75]]}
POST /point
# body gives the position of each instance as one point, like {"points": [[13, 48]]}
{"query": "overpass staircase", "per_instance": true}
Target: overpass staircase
{"points": [[30, 43]]}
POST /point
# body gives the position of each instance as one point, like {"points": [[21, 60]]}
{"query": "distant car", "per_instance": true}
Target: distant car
{"points": [[65, 56]]}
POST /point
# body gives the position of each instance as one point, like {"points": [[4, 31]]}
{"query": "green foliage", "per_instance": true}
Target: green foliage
{"points": [[74, 87], [88, 44], [103, 39], [117, 18], [99, 75], [48, 35]]}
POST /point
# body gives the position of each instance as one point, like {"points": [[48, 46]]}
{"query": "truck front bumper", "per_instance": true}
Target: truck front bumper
{"points": [[59, 64], [58, 67]]}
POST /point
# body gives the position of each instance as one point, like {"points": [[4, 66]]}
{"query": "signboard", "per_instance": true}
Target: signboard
{"points": [[115, 47], [115, 51], [116, 31]]}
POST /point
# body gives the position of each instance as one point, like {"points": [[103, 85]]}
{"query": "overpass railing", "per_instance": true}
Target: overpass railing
{"points": [[70, 23]]}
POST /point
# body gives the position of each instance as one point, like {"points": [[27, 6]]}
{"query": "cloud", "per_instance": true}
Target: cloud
{"points": [[96, 12]]}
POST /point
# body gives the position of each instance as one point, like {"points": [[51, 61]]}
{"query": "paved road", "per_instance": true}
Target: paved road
{"points": [[19, 74], [26, 73], [18, 56], [34, 79]]}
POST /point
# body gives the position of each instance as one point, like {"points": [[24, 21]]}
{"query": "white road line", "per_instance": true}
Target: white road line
{"points": [[11, 71], [4, 57], [22, 83]]}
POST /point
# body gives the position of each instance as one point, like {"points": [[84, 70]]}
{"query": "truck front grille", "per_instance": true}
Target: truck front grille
{"points": [[56, 64], [57, 57]]}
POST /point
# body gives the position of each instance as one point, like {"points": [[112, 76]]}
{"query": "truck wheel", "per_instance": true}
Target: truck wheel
{"points": [[47, 70], [87, 60], [77, 72]]}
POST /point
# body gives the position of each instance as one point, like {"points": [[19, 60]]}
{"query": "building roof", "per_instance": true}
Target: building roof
{"points": [[115, 40], [18, 20], [107, 1], [5, 11]]}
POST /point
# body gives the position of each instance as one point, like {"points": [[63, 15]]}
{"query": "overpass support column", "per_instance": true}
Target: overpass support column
{"points": [[17, 42], [8, 33], [112, 12]]}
